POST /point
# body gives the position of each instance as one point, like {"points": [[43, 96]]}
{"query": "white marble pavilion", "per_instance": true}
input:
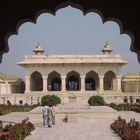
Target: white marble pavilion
{"points": [[74, 78], [72, 75]]}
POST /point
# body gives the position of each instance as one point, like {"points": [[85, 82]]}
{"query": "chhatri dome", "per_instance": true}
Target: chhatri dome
{"points": [[38, 50], [107, 49]]}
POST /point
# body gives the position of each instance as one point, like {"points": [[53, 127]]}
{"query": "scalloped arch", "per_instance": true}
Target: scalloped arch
{"points": [[73, 71], [77, 6], [93, 72], [110, 71], [85, 6], [36, 71], [54, 72]]}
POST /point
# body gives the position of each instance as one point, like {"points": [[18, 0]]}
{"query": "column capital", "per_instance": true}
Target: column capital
{"points": [[27, 77], [63, 76], [118, 76], [44, 77], [82, 76], [101, 76]]}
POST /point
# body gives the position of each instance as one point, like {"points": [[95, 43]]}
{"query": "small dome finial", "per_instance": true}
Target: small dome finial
{"points": [[106, 43], [107, 49], [38, 44], [38, 49]]}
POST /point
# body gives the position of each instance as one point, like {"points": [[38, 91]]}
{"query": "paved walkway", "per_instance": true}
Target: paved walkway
{"points": [[81, 131], [14, 117], [72, 131]]}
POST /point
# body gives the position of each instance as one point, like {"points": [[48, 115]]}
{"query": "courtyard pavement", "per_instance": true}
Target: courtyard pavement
{"points": [[72, 131], [15, 117], [80, 131]]}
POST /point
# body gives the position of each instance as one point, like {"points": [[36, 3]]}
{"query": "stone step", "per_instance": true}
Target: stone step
{"points": [[87, 118], [77, 114]]}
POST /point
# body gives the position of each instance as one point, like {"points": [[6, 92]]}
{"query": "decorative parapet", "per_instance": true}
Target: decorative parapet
{"points": [[64, 59]]}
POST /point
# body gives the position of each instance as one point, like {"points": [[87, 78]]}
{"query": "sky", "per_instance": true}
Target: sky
{"points": [[68, 32]]}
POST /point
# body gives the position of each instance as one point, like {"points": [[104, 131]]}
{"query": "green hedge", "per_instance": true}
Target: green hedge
{"points": [[5, 109], [50, 99], [96, 101]]}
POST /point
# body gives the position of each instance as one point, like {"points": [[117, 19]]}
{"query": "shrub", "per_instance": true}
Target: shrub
{"points": [[50, 99], [17, 131], [96, 101], [125, 107], [127, 131], [5, 109]]}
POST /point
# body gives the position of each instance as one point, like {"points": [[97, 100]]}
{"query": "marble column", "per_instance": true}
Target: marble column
{"points": [[27, 84], [63, 83], [45, 83], [4, 100], [119, 83], [82, 83], [101, 83]]}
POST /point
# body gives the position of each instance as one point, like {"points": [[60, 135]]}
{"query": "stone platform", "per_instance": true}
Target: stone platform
{"points": [[75, 113]]}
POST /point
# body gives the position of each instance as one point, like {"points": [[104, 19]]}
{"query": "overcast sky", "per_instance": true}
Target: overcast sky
{"points": [[68, 32]]}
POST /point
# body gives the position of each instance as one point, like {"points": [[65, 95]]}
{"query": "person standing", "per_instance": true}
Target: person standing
{"points": [[50, 115], [53, 114], [45, 114]]}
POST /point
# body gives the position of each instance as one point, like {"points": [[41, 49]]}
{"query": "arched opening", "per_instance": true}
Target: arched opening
{"points": [[36, 82], [73, 81], [109, 80], [90, 84], [91, 81], [54, 81]]}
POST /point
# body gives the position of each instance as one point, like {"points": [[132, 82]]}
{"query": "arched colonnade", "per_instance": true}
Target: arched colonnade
{"points": [[72, 81]]}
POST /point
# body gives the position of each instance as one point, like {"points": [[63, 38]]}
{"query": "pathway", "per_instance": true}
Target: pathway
{"points": [[72, 131]]}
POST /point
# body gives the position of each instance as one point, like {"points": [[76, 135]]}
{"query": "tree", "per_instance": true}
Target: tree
{"points": [[96, 101], [50, 99]]}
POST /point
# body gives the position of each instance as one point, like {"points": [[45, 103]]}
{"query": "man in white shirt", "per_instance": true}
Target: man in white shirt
{"points": [[45, 114]]}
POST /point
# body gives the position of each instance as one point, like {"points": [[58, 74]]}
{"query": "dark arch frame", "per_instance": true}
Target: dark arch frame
{"points": [[73, 81], [126, 11], [90, 84], [93, 78], [54, 81], [36, 81], [109, 78]]}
